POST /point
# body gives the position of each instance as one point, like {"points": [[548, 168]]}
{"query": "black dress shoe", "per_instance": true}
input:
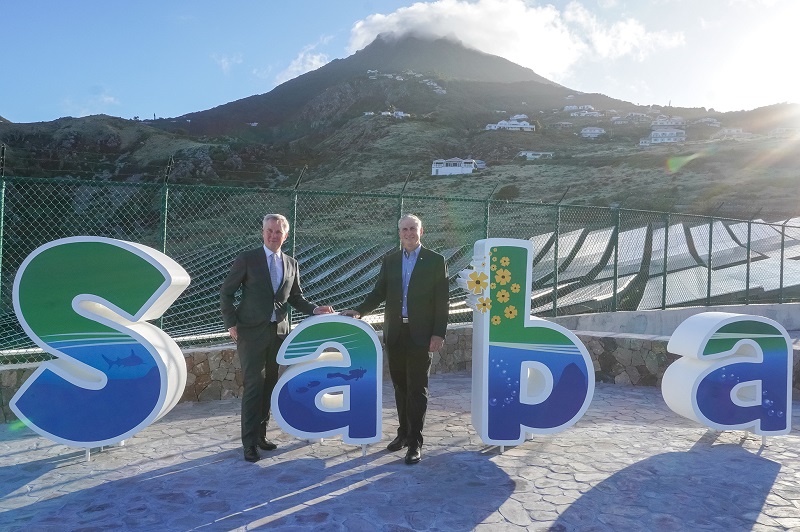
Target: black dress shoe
{"points": [[414, 455], [396, 444], [251, 454], [266, 445]]}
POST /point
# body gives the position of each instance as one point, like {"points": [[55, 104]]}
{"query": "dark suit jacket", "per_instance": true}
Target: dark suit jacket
{"points": [[249, 270], [428, 297]]}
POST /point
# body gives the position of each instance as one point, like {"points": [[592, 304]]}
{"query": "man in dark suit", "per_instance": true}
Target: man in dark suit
{"points": [[269, 280], [413, 283]]}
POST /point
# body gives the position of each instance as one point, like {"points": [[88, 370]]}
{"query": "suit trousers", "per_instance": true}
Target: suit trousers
{"points": [[258, 350], [409, 368]]}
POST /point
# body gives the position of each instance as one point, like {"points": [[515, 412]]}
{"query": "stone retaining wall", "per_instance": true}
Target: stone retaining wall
{"points": [[214, 373]]}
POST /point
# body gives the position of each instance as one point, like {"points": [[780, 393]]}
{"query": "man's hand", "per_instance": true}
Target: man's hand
{"points": [[436, 343], [323, 310], [351, 313], [234, 334]]}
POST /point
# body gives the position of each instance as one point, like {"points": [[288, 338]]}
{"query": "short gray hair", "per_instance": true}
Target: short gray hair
{"points": [[410, 216], [281, 219]]}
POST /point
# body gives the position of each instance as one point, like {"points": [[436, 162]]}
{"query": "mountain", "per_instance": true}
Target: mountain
{"points": [[327, 125], [345, 81]]}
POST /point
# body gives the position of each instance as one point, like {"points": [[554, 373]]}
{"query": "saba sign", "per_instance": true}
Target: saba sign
{"points": [[87, 300]]}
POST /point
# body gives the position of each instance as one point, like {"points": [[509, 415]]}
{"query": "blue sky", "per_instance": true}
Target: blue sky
{"points": [[172, 57]]}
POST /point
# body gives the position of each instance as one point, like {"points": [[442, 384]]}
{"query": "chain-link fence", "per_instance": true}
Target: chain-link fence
{"points": [[586, 259]]}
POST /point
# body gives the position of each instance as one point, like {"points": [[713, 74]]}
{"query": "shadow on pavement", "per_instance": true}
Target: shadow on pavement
{"points": [[222, 492], [710, 486]]}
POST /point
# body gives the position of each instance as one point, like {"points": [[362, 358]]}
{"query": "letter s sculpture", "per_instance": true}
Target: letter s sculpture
{"points": [[85, 300]]}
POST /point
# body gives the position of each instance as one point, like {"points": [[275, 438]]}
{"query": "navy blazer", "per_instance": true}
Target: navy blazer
{"points": [[250, 272], [428, 297]]}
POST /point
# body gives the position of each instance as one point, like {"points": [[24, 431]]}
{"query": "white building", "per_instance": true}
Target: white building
{"points": [[708, 121], [663, 136], [511, 125], [453, 166], [785, 132], [533, 155], [584, 112], [592, 132], [668, 121], [731, 133]]}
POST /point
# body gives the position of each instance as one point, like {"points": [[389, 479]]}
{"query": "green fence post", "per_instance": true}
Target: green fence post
{"points": [[2, 203], [164, 207], [710, 245], [486, 210], [616, 260], [555, 250], [747, 271], [783, 248], [163, 219], [293, 231], [555, 259], [666, 246], [401, 205]]}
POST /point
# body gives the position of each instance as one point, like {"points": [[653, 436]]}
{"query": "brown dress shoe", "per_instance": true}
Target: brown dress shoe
{"points": [[251, 454], [396, 444]]}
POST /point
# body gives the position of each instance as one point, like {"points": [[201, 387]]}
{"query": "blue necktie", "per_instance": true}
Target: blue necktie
{"points": [[273, 272]]}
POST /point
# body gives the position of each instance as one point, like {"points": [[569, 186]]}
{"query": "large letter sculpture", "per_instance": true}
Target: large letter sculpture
{"points": [[735, 373], [528, 374], [327, 393], [85, 300]]}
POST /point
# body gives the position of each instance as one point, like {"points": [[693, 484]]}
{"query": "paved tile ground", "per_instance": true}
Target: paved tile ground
{"points": [[628, 464]]}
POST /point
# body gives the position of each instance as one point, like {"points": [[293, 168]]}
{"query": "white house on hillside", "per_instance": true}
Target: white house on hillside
{"points": [[785, 132], [663, 136], [533, 155], [511, 125], [668, 121], [707, 121], [453, 166], [731, 133], [592, 132]]}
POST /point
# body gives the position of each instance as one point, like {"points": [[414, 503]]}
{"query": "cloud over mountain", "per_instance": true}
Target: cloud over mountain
{"points": [[545, 39]]}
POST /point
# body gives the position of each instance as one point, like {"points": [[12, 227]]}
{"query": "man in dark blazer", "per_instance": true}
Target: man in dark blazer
{"points": [[269, 280], [413, 283]]}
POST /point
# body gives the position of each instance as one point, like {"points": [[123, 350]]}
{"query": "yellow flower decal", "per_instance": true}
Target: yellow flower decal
{"points": [[502, 276], [494, 267], [514, 287], [493, 286], [511, 312], [484, 304], [494, 259], [502, 296], [505, 261], [477, 282], [495, 320]]}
